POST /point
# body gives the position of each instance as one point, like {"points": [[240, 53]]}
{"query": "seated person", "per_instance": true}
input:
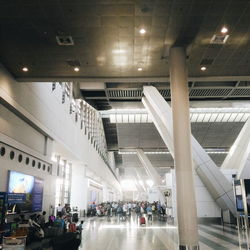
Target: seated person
{"points": [[72, 227], [59, 222], [80, 226], [41, 219], [35, 230]]}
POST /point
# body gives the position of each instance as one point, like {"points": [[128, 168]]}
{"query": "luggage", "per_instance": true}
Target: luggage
{"points": [[142, 221], [75, 217]]}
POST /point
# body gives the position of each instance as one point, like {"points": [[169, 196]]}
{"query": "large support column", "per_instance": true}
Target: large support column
{"points": [[186, 204]]}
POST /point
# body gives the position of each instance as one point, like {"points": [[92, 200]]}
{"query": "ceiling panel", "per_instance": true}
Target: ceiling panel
{"points": [[99, 27]]}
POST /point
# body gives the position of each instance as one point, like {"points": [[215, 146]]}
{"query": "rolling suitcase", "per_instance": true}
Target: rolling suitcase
{"points": [[142, 221]]}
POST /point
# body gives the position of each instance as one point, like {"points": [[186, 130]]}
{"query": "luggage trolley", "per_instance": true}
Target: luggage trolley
{"points": [[14, 243]]}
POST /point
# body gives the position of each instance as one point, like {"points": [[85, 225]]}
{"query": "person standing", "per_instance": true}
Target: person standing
{"points": [[149, 213], [59, 210]]}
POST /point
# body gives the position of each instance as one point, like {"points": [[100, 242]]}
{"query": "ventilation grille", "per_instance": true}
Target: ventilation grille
{"points": [[207, 61], [165, 93], [219, 39], [241, 92], [194, 93], [65, 40], [134, 93], [209, 92], [73, 63]]}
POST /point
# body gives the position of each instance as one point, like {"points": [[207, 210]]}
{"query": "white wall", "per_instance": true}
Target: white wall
{"points": [[79, 187], [49, 179], [12, 126], [44, 108], [153, 194], [206, 206]]}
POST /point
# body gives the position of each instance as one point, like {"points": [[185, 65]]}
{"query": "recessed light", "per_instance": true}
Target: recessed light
{"points": [[203, 68], [76, 69], [119, 51], [25, 69], [142, 31], [139, 69], [224, 30]]}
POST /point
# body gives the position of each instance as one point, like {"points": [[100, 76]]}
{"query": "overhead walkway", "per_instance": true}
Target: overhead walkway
{"points": [[215, 181]]}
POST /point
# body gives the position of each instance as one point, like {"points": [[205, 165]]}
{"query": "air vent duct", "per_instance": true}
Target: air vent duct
{"points": [[73, 63], [65, 40], [207, 61], [219, 39]]}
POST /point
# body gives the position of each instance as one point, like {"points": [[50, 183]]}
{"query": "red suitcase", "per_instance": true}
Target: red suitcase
{"points": [[142, 221]]}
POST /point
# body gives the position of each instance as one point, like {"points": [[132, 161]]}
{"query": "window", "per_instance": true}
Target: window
{"points": [[12, 155], [2, 151], [20, 158], [27, 161], [33, 163]]}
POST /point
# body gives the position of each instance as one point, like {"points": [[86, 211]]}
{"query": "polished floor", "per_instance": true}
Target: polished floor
{"points": [[110, 234]]}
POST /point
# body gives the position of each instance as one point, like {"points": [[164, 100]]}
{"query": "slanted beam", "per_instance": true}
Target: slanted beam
{"points": [[151, 171], [239, 153], [215, 181]]}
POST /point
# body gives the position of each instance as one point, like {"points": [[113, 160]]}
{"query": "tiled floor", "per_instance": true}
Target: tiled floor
{"points": [[109, 234]]}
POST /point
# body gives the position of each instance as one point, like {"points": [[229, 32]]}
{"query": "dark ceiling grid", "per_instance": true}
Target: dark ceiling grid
{"points": [[237, 51], [90, 24], [211, 51]]}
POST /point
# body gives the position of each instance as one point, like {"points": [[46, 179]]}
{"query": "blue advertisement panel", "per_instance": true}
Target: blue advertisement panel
{"points": [[37, 195], [25, 191], [16, 198]]}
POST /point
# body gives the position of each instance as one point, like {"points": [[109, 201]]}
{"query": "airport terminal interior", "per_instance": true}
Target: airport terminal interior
{"points": [[124, 124]]}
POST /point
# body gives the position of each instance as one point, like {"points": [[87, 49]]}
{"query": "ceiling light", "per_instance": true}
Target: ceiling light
{"points": [[139, 69], [203, 68], [224, 30], [142, 31], [25, 69], [76, 69], [119, 51]]}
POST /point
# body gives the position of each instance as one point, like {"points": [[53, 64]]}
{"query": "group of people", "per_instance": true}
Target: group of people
{"points": [[124, 209], [39, 226]]}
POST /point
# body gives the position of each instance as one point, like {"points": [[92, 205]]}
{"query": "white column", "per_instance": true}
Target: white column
{"points": [[186, 204]]}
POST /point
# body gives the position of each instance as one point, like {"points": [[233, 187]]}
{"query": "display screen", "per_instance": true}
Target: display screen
{"points": [[238, 196], [25, 192], [247, 190]]}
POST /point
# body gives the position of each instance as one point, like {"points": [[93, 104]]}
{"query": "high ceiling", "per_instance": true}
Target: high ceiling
{"points": [[145, 136], [107, 42], [103, 39]]}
